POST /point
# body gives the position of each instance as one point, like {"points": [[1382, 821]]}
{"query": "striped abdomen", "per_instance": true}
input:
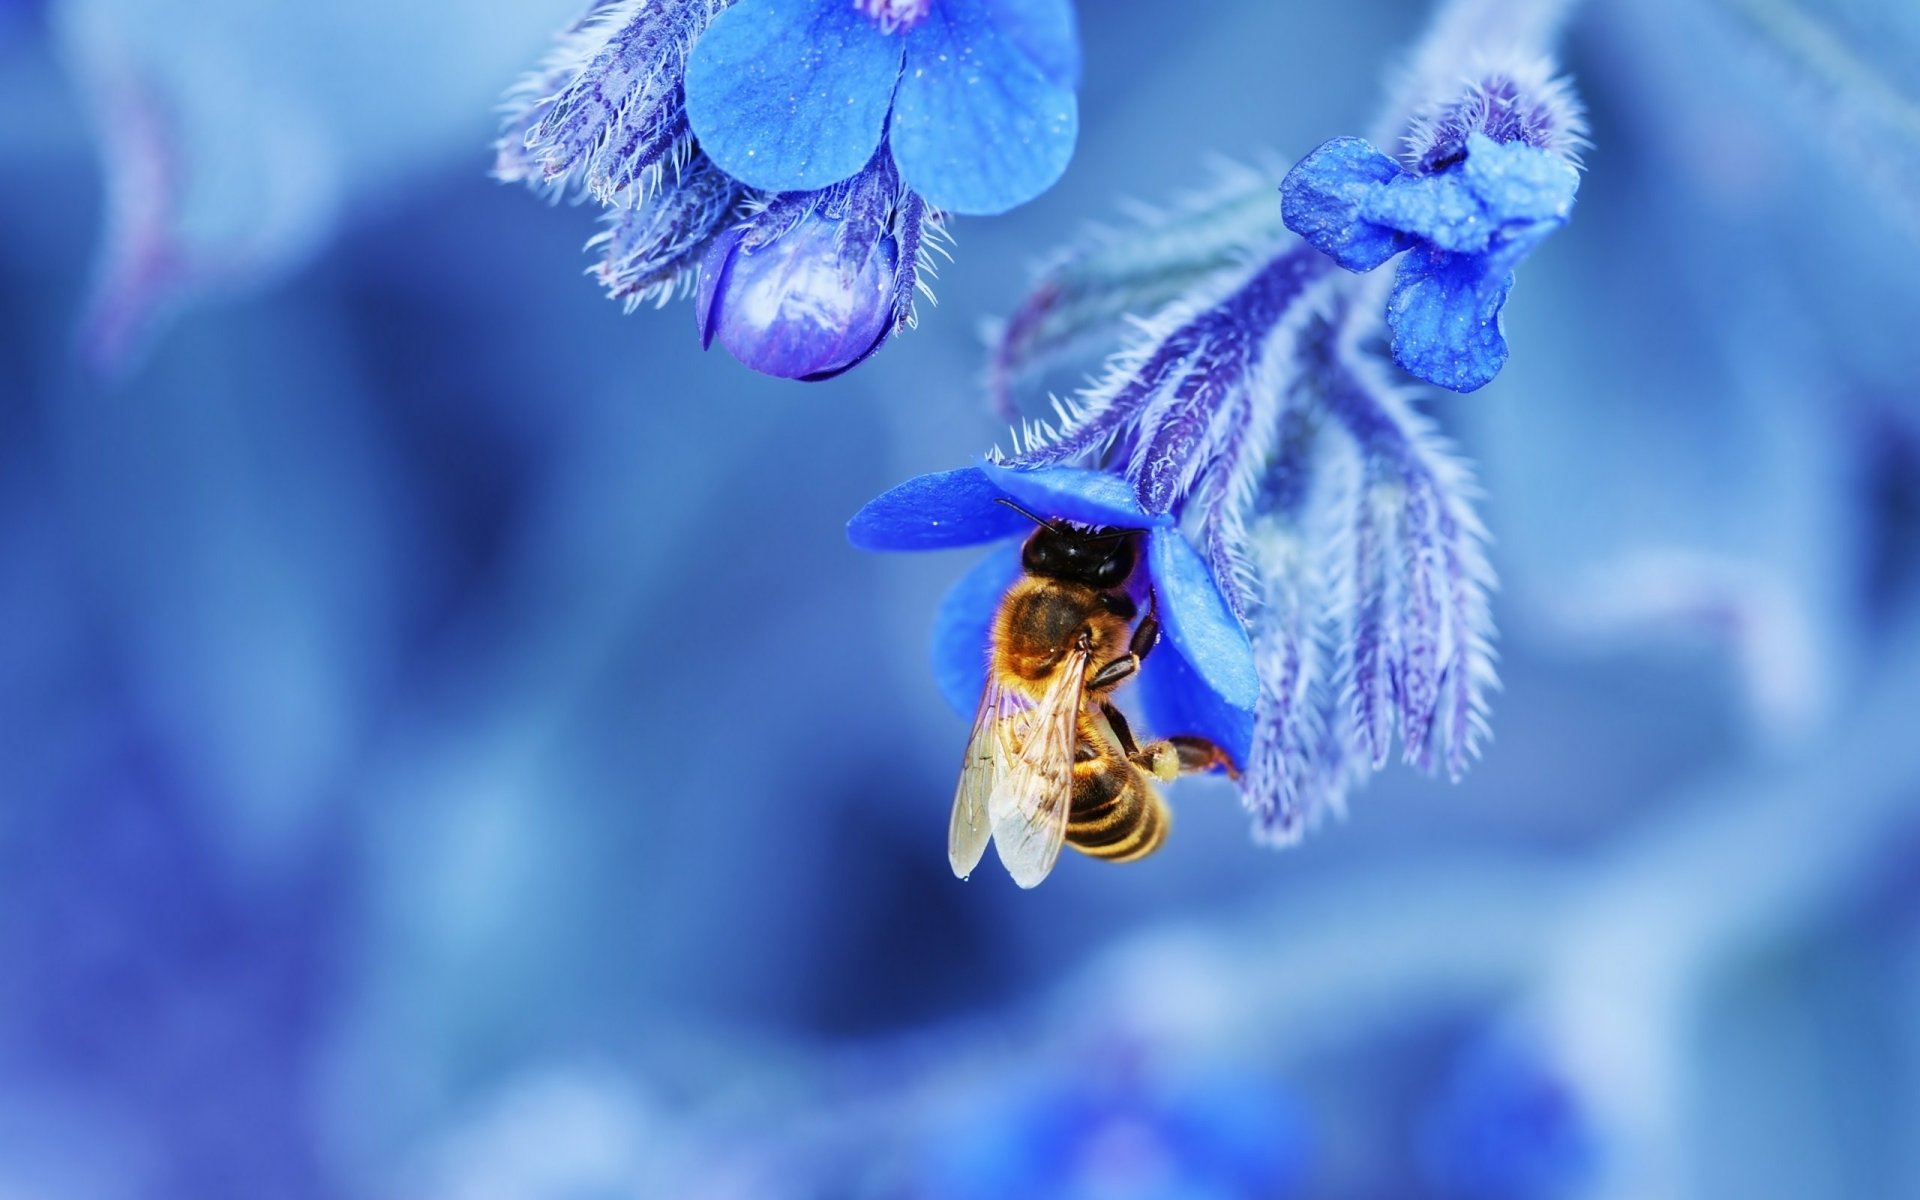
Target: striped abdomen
{"points": [[1117, 814]]}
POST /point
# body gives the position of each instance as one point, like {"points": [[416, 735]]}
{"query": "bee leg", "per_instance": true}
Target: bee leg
{"points": [[1110, 675], [1199, 754], [1182, 755], [1145, 634], [1118, 720], [1159, 759]]}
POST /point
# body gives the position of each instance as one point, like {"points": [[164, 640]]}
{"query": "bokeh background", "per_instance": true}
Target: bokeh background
{"points": [[449, 752]]}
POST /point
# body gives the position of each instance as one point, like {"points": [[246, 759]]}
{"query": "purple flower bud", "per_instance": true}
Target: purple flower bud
{"points": [[815, 282], [1519, 100], [784, 306]]}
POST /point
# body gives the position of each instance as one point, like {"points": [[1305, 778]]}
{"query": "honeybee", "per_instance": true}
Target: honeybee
{"points": [[1050, 760]]}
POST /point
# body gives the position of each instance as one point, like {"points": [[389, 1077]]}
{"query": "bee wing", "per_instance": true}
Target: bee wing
{"points": [[989, 757], [1029, 805]]}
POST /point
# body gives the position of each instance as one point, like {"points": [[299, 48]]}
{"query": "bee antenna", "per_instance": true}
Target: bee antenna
{"points": [[1040, 521]]}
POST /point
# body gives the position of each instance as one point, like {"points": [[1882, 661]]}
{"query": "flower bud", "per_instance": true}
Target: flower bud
{"points": [[814, 283]]}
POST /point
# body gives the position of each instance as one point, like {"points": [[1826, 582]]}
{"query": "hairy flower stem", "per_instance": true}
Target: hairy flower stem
{"points": [[1462, 32]]}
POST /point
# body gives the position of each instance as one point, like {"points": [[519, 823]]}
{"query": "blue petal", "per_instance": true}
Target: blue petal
{"points": [[791, 95], [1518, 182], [1438, 209], [1445, 317], [1498, 192], [933, 512], [1044, 31], [1198, 622], [963, 628], [1176, 700], [1322, 200], [1073, 494], [978, 127], [713, 273]]}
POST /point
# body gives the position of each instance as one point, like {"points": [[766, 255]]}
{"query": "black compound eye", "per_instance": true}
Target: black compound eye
{"points": [[1104, 574], [1042, 555], [1113, 569]]}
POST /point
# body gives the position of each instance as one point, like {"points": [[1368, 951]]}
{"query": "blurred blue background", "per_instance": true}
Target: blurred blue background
{"points": [[449, 750]]}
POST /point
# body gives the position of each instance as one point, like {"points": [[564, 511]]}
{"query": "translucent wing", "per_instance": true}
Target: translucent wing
{"points": [[1029, 805], [990, 755]]}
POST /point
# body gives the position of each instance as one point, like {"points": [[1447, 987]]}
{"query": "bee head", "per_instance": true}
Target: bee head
{"points": [[1102, 559]]}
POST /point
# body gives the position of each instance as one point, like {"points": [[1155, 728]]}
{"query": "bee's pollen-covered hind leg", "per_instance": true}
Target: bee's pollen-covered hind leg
{"points": [[1200, 754]]}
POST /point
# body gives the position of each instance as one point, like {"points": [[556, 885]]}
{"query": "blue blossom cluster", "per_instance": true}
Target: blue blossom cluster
{"points": [[1253, 412], [1334, 521], [792, 162]]}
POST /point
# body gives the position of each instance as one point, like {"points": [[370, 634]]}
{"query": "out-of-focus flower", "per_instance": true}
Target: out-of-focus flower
{"points": [[1214, 1135], [162, 1012], [1492, 175], [815, 282], [558, 1131], [17, 15], [1506, 1126], [1201, 681], [234, 138], [829, 136], [974, 98]]}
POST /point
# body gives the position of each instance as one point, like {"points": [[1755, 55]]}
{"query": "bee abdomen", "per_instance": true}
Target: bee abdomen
{"points": [[1115, 815]]}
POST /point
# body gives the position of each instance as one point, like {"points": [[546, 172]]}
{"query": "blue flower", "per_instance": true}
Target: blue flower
{"points": [[814, 283], [1493, 175], [1201, 680], [974, 97], [1212, 1134], [798, 273], [1508, 1126]]}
